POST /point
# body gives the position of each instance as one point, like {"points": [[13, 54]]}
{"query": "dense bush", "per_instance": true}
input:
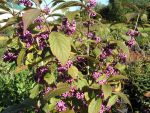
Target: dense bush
{"points": [[76, 61], [14, 88], [138, 85]]}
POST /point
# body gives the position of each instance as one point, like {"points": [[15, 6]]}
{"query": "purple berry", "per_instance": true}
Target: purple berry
{"points": [[47, 10], [61, 106], [132, 33], [40, 72], [131, 42], [122, 57], [41, 39], [10, 55], [91, 3], [65, 67], [26, 3], [91, 12], [80, 96], [102, 109], [68, 27]]}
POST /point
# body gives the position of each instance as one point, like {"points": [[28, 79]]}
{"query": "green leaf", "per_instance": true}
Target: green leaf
{"points": [[131, 6], [3, 41], [120, 67], [30, 58], [81, 83], [125, 37], [112, 100], [123, 47], [87, 98], [34, 92], [97, 52], [124, 97], [73, 71], [56, 2], [68, 111], [49, 78], [60, 46], [95, 86], [144, 17], [103, 77], [107, 90], [117, 77], [130, 16], [21, 56], [94, 106], [69, 4], [29, 16], [71, 14], [61, 88], [48, 107]]}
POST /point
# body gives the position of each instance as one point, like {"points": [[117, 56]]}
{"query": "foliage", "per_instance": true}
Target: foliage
{"points": [[138, 85], [76, 62], [13, 88], [125, 10]]}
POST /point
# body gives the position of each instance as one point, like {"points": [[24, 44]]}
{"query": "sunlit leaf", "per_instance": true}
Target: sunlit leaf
{"points": [[117, 77], [68, 4], [61, 88], [94, 106], [124, 97], [112, 100], [49, 78], [60, 46], [21, 56], [107, 90], [123, 47], [73, 71], [34, 92], [68, 111], [120, 67], [131, 16]]}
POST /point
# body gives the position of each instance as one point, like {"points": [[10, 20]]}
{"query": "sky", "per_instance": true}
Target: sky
{"points": [[103, 1]]}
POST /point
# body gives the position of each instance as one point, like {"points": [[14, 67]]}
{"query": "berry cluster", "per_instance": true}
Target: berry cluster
{"points": [[10, 55], [61, 106], [27, 37], [93, 37], [41, 39], [132, 34], [39, 21], [74, 93], [103, 109], [26, 3], [40, 72], [65, 67], [91, 4], [122, 57], [47, 10], [106, 51], [68, 27]]}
